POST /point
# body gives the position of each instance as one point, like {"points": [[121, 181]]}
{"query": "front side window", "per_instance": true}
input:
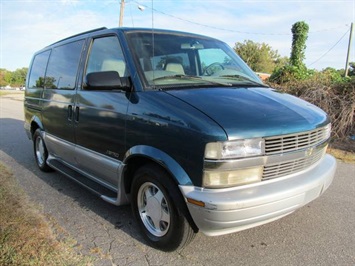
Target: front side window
{"points": [[63, 66], [38, 69], [176, 60], [106, 55]]}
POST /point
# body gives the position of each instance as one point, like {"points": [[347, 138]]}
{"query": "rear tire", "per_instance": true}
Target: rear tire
{"points": [[154, 200], [40, 151]]}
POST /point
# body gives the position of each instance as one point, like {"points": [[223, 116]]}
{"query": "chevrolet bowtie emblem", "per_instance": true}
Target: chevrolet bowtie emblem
{"points": [[309, 152]]}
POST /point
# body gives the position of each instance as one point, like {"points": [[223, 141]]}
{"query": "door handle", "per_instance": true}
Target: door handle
{"points": [[77, 114], [70, 112]]}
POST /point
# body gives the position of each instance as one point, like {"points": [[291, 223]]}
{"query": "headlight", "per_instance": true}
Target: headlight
{"points": [[220, 179], [234, 149]]}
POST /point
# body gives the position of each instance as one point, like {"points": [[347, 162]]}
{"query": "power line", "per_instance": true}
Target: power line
{"points": [[330, 48], [228, 30]]}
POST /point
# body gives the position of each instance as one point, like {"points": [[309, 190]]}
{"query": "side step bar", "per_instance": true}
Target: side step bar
{"points": [[96, 188]]}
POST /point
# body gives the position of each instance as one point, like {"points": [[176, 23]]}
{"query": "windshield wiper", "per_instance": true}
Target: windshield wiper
{"points": [[188, 77], [243, 78], [178, 76]]}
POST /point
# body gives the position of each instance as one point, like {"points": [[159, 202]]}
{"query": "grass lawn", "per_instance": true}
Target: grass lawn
{"points": [[27, 237]]}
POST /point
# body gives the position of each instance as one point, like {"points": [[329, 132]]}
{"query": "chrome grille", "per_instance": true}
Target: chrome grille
{"points": [[289, 167], [298, 141]]}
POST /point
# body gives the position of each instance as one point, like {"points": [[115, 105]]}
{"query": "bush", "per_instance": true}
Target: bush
{"points": [[333, 75], [290, 73], [335, 96]]}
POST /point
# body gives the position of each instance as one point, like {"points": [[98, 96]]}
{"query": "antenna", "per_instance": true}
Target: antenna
{"points": [[152, 15], [153, 41]]}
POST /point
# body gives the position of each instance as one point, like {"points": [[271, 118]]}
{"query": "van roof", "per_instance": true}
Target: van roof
{"points": [[124, 29], [79, 34]]}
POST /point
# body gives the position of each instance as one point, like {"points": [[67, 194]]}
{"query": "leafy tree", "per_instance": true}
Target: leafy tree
{"points": [[13, 78], [259, 56], [5, 77], [300, 35], [19, 76], [296, 69]]}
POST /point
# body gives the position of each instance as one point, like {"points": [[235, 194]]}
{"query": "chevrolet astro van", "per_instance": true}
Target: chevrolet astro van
{"points": [[177, 125]]}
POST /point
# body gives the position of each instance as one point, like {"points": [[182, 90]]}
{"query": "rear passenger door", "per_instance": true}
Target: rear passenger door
{"points": [[59, 99], [100, 115]]}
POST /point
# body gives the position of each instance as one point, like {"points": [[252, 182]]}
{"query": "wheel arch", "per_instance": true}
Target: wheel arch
{"points": [[34, 124], [141, 155]]}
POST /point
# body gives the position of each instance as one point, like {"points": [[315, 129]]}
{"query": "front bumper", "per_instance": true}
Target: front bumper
{"points": [[234, 209]]}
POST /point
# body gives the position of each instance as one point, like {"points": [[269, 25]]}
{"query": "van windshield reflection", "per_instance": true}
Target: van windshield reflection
{"points": [[166, 60]]}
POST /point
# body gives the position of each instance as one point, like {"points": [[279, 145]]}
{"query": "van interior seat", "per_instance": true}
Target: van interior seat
{"points": [[114, 65], [175, 67]]}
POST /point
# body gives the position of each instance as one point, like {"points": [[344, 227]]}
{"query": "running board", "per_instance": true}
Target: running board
{"points": [[103, 192]]}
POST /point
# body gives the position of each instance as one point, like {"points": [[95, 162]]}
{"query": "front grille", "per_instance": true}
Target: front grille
{"points": [[298, 141], [289, 167], [311, 142]]}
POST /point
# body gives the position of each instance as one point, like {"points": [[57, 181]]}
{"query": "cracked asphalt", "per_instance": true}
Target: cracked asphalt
{"points": [[321, 233]]}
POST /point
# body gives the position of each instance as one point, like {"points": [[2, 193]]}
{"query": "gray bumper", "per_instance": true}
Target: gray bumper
{"points": [[238, 208]]}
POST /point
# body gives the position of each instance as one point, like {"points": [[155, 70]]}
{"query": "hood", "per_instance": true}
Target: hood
{"points": [[254, 112]]}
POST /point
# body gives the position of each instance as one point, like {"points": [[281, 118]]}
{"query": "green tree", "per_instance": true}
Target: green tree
{"points": [[19, 76], [13, 78], [300, 35], [259, 56], [296, 69], [5, 77]]}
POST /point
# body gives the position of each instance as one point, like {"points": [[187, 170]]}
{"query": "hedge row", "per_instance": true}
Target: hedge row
{"points": [[335, 98]]}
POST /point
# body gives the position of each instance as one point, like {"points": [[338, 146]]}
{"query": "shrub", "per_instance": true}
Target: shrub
{"points": [[290, 73], [336, 98]]}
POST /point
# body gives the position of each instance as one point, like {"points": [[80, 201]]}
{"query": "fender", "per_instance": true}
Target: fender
{"points": [[169, 164], [29, 127], [163, 159]]}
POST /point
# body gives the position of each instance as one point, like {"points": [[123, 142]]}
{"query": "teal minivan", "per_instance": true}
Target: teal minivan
{"points": [[177, 125]]}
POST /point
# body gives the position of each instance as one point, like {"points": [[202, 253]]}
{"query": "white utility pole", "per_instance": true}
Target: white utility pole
{"points": [[348, 55], [120, 23]]}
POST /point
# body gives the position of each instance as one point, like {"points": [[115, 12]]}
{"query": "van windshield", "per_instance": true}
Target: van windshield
{"points": [[168, 60]]}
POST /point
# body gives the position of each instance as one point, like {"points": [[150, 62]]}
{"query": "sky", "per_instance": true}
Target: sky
{"points": [[29, 25]]}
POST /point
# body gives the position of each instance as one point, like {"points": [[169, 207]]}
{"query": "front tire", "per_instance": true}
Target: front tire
{"points": [[153, 204], [40, 151]]}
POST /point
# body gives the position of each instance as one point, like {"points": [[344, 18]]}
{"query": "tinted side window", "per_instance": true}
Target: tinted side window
{"points": [[38, 69], [63, 66], [106, 55]]}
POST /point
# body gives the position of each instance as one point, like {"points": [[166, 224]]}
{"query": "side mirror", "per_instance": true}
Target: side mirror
{"points": [[106, 80]]}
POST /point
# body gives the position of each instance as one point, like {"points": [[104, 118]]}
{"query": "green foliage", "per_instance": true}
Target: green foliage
{"points": [[296, 69], [300, 35], [259, 56], [333, 75], [5, 77], [290, 73], [15, 78]]}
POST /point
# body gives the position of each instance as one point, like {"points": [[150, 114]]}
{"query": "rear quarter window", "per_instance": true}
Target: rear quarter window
{"points": [[38, 69], [63, 66]]}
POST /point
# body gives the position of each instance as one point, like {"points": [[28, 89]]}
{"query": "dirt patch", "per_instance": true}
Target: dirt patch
{"points": [[347, 145]]}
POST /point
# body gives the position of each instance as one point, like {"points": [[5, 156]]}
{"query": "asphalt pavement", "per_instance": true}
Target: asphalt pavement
{"points": [[321, 233]]}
